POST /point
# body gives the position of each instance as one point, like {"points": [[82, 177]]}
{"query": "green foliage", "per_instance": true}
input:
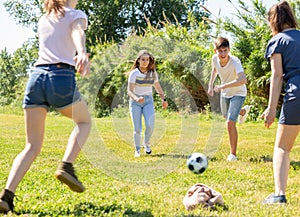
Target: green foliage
{"points": [[250, 38], [178, 33], [170, 23], [180, 58], [13, 71], [105, 80], [7, 84], [25, 12], [114, 20]]}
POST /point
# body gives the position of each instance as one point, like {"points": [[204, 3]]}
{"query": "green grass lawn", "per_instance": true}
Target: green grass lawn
{"points": [[117, 184]]}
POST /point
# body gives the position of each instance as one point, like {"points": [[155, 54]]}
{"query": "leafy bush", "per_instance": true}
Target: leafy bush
{"points": [[180, 62], [13, 72]]}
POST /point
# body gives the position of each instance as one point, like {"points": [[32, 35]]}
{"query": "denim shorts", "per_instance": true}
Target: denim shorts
{"points": [[290, 114], [231, 107], [51, 86]]}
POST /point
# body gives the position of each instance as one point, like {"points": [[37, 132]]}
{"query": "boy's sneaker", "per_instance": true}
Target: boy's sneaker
{"points": [[147, 149], [242, 118], [231, 157], [137, 154], [6, 201], [66, 174], [272, 199]]}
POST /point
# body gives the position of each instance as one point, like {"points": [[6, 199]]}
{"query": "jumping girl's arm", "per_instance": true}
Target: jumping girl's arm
{"points": [[82, 63]]}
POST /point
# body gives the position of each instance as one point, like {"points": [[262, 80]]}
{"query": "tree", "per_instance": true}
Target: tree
{"points": [[13, 70], [7, 79], [114, 20]]}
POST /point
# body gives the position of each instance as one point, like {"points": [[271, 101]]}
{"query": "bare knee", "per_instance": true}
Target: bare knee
{"points": [[87, 123], [32, 150], [283, 148], [230, 125]]}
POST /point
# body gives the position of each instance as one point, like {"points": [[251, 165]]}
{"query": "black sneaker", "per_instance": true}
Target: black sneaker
{"points": [[272, 199], [66, 174], [147, 149], [6, 201]]}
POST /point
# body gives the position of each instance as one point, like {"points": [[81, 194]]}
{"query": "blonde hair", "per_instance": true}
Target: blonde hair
{"points": [[281, 16], [56, 6], [151, 68]]}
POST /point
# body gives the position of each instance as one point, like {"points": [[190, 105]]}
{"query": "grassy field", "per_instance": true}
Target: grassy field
{"points": [[117, 184]]}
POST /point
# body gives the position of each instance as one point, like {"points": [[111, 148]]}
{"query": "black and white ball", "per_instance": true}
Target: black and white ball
{"points": [[197, 163]]}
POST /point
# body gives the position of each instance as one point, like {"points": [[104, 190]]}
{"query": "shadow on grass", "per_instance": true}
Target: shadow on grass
{"points": [[218, 208], [183, 156], [263, 158], [192, 215], [88, 209], [130, 212], [295, 165], [213, 159]]}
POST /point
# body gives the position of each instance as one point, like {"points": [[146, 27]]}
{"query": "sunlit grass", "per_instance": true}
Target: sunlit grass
{"points": [[120, 185]]}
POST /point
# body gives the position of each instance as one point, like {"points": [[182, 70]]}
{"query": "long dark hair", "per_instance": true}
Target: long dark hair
{"points": [[151, 68], [281, 16]]}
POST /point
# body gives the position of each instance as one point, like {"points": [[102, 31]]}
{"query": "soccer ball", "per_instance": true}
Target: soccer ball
{"points": [[197, 163]]}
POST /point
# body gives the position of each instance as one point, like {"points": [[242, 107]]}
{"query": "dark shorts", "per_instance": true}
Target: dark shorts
{"points": [[290, 110], [51, 86]]}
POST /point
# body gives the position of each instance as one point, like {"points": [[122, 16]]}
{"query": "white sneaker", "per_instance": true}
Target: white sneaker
{"points": [[137, 154], [231, 157], [242, 118]]}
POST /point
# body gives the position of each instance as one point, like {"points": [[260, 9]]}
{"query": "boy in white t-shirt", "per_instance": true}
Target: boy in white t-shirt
{"points": [[233, 89]]}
